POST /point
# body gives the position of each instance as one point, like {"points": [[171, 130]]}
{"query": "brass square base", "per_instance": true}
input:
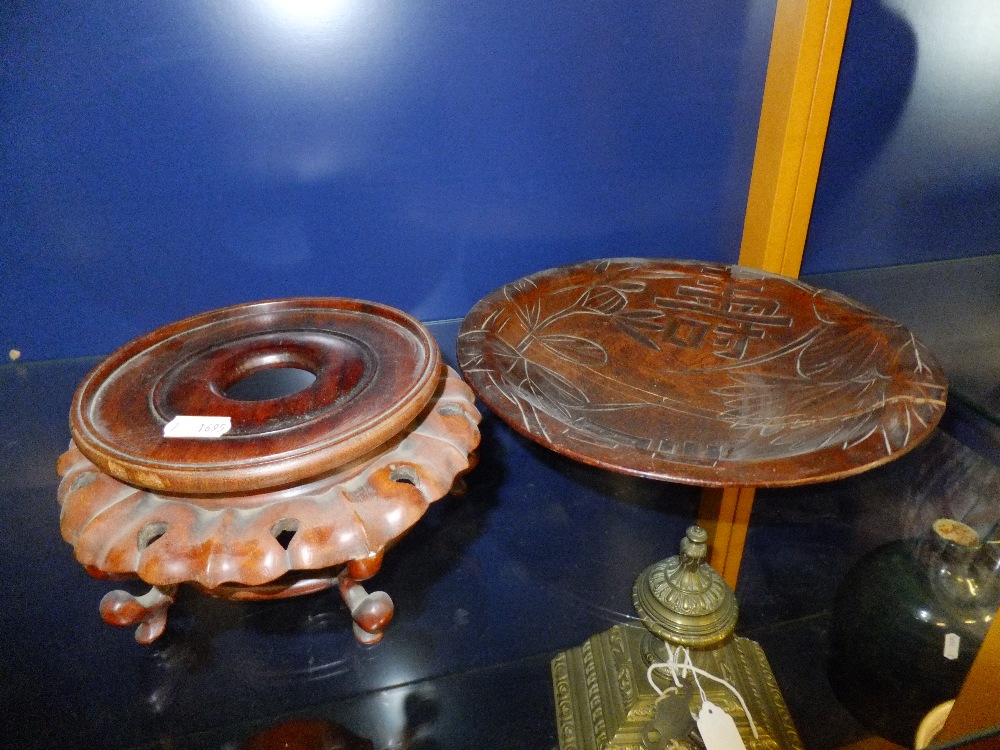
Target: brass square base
{"points": [[604, 701]]}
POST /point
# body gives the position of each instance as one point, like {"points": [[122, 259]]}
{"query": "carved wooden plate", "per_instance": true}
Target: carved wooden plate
{"points": [[700, 373]]}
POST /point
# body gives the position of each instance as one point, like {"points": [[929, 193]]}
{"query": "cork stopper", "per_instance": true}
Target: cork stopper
{"points": [[956, 532]]}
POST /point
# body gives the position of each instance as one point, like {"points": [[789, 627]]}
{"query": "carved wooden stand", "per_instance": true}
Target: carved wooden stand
{"points": [[345, 425], [702, 373]]}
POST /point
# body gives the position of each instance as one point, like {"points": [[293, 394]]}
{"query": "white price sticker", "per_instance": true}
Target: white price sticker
{"points": [[203, 428], [952, 641]]}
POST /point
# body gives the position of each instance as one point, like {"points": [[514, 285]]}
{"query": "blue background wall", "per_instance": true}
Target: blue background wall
{"points": [[911, 170], [165, 157]]}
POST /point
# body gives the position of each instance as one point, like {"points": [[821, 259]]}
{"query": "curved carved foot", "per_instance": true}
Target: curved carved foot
{"points": [[371, 612], [149, 611]]}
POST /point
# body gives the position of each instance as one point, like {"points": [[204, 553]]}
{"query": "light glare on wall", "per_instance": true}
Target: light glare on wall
{"points": [[306, 13]]}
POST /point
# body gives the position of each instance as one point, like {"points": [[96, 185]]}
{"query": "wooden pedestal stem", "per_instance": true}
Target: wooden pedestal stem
{"points": [[725, 514]]}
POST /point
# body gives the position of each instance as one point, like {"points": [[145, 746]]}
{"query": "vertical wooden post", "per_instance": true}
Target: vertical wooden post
{"points": [[806, 46], [976, 707], [725, 514]]}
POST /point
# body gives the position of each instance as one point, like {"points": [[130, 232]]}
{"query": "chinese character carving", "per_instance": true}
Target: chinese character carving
{"points": [[727, 312]]}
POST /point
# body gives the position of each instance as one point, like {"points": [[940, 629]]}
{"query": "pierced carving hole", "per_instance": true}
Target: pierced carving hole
{"points": [[270, 383], [404, 475], [450, 410], [87, 477], [284, 530], [149, 533]]}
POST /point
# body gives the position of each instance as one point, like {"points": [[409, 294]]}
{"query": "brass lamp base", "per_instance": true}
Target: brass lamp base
{"points": [[604, 701]]}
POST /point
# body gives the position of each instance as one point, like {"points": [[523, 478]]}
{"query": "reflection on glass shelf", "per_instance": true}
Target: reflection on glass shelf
{"points": [[953, 306], [539, 555]]}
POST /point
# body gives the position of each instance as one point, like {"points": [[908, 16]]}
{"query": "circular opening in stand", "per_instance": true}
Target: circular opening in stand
{"points": [[284, 530], [149, 534], [404, 475], [270, 383]]}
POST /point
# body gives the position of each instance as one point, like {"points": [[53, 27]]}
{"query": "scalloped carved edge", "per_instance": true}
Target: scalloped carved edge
{"points": [[351, 514]]}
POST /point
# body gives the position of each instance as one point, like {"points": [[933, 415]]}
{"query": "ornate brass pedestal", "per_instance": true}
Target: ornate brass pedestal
{"points": [[604, 698]]}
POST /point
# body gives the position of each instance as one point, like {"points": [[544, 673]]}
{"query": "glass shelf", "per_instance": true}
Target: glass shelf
{"points": [[536, 557]]}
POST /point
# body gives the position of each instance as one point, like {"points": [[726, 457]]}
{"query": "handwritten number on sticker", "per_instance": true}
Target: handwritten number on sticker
{"points": [[203, 428]]}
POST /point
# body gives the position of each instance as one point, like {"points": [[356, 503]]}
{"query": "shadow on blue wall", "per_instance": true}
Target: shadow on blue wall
{"points": [[159, 159], [164, 158], [874, 84], [911, 169]]}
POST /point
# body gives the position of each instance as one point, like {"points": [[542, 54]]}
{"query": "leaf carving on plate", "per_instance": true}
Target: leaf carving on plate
{"points": [[520, 286], [537, 385], [844, 353], [914, 354], [471, 354], [851, 384], [801, 414], [499, 354], [603, 299], [575, 349], [552, 388], [527, 316], [634, 322], [641, 318], [628, 287]]}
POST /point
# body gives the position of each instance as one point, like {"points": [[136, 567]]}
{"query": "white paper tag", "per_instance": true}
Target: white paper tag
{"points": [[717, 729], [203, 428], [951, 643]]}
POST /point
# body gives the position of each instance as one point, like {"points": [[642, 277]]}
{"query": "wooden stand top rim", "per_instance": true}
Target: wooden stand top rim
{"points": [[375, 368]]}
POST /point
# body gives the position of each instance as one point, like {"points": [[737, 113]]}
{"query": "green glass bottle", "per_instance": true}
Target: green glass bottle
{"points": [[907, 621]]}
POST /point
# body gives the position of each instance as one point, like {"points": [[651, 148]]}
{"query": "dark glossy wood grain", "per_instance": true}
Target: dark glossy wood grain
{"points": [[375, 369], [348, 514], [346, 426], [700, 373]]}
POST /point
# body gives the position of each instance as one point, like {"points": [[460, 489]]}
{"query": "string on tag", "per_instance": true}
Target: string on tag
{"points": [[679, 668]]}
